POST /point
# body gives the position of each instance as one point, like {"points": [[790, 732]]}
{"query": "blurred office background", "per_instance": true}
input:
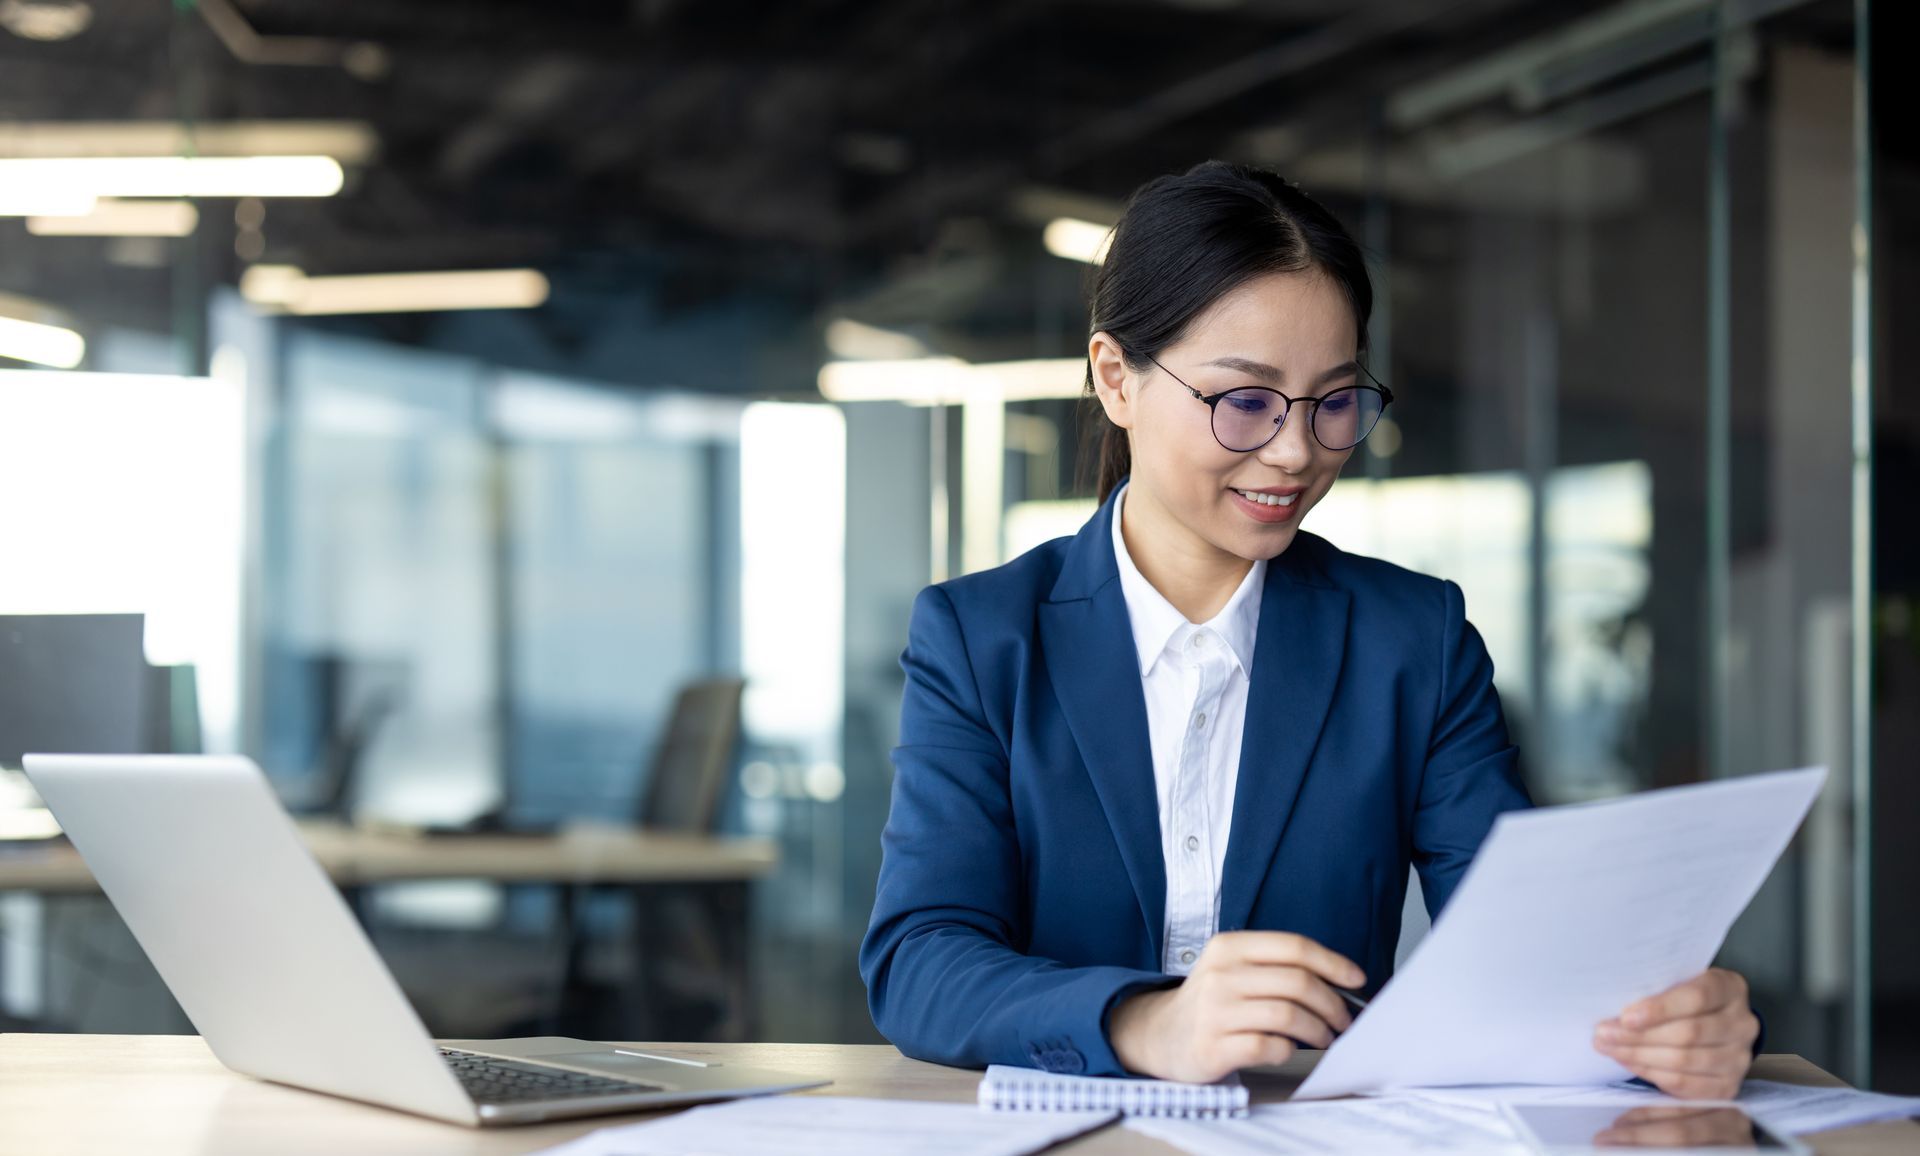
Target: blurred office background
{"points": [[755, 318]]}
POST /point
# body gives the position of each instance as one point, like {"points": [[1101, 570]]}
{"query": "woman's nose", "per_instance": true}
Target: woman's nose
{"points": [[1293, 447]]}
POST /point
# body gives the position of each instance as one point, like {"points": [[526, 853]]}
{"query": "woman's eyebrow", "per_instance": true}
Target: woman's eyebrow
{"points": [[1265, 372]]}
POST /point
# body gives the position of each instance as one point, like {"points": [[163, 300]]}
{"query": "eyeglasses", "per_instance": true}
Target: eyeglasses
{"points": [[1247, 418]]}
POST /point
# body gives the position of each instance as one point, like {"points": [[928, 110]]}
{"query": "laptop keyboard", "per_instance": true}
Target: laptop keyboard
{"points": [[495, 1081]]}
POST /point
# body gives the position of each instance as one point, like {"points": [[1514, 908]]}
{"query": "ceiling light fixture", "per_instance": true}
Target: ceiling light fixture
{"points": [[121, 219], [47, 21], [350, 142], [40, 203], [260, 176], [951, 381], [285, 289], [48, 345], [1077, 240], [862, 342]]}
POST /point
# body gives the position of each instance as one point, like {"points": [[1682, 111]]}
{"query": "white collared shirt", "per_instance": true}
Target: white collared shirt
{"points": [[1195, 683]]}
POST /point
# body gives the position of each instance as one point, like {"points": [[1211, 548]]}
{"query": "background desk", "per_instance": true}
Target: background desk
{"points": [[167, 1096], [355, 857], [715, 871]]}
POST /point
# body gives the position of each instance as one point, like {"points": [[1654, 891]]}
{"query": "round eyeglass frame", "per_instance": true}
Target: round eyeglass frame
{"points": [[1213, 407]]}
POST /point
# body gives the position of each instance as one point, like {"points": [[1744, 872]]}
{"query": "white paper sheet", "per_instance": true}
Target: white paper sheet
{"points": [[837, 1126], [1375, 1127], [1792, 1108], [1567, 915], [1797, 1109], [1491, 1096]]}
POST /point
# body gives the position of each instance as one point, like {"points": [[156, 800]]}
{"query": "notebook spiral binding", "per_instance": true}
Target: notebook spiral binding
{"points": [[1004, 1091]]}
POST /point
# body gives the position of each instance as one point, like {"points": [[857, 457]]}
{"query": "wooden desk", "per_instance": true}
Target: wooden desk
{"points": [[576, 860], [166, 1095], [354, 857]]}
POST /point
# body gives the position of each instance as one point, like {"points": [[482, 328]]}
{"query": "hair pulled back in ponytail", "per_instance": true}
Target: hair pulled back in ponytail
{"points": [[1186, 241]]}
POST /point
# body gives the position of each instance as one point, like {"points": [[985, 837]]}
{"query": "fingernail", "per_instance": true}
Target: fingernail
{"points": [[1635, 1018], [1606, 1033], [1356, 978]]}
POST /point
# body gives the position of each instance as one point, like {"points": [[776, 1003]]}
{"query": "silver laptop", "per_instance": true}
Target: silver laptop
{"points": [[266, 959]]}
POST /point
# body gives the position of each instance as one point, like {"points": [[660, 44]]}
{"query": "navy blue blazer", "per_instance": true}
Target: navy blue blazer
{"points": [[1022, 891]]}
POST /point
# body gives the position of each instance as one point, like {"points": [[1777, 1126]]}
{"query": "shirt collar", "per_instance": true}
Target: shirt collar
{"points": [[1157, 624]]}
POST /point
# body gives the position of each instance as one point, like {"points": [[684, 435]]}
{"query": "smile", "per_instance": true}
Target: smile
{"points": [[1267, 499]]}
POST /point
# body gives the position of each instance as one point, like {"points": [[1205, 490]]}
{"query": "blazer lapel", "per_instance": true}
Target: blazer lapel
{"points": [[1296, 664], [1088, 642]]}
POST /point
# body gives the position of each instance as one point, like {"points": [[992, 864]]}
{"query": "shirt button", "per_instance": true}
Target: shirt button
{"points": [[1186, 956], [1200, 720], [1193, 842], [1199, 640]]}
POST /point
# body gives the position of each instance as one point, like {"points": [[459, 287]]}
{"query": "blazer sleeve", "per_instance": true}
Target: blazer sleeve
{"points": [[1472, 771], [946, 979]]}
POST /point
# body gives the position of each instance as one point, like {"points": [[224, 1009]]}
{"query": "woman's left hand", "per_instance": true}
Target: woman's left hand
{"points": [[1694, 1040]]}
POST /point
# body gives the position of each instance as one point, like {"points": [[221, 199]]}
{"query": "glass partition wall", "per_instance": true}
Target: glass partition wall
{"points": [[1620, 275], [1622, 252], [1618, 299]]}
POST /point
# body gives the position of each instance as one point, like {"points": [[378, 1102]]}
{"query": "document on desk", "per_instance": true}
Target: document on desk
{"points": [[837, 1126], [1566, 916], [1797, 1109], [1373, 1127]]}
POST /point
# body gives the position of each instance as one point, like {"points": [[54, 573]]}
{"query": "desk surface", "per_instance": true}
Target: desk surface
{"points": [[166, 1095], [352, 856]]}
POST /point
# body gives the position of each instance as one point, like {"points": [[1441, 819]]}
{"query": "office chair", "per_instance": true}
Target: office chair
{"points": [[693, 762], [686, 785], [74, 682]]}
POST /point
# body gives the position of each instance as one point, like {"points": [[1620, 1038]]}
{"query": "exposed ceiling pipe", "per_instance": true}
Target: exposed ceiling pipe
{"points": [[933, 195], [1584, 55], [363, 59], [1290, 56], [1500, 72]]}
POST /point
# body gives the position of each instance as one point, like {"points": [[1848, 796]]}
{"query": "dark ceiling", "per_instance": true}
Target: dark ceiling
{"points": [[737, 170]]}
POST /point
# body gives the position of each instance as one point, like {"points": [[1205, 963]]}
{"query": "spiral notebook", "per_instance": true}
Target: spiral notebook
{"points": [[1009, 1089]]}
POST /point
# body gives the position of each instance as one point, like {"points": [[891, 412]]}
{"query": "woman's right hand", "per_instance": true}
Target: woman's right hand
{"points": [[1253, 998]]}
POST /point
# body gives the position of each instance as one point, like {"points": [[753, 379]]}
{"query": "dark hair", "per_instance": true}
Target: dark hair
{"points": [[1186, 241]]}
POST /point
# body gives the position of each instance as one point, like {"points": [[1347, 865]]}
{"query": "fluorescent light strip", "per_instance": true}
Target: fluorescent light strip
{"points": [[347, 141], [860, 342], [1077, 240], [286, 289], [918, 380], [122, 219], [951, 381], [288, 176], [271, 285], [1038, 378], [40, 203], [41, 344]]}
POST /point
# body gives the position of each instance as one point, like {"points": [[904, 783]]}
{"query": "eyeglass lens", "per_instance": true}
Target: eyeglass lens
{"points": [[1247, 419]]}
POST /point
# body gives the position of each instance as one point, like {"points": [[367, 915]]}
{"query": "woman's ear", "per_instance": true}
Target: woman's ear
{"points": [[1110, 379]]}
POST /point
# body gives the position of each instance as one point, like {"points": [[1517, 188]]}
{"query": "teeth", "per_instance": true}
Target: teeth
{"points": [[1267, 499]]}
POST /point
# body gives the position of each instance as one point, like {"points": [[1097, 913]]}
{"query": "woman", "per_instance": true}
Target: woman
{"points": [[1159, 784]]}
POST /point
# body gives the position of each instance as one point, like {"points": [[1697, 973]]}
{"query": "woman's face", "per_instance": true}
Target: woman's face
{"points": [[1293, 332]]}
